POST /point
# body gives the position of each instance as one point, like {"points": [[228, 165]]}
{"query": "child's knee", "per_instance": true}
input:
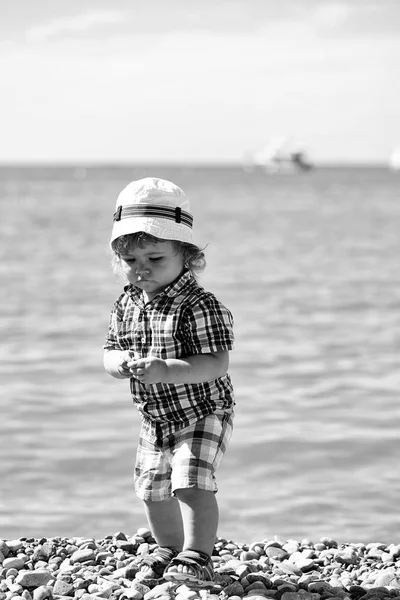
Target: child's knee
{"points": [[188, 494]]}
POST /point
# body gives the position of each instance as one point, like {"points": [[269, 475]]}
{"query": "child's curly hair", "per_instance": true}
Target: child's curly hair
{"points": [[193, 256]]}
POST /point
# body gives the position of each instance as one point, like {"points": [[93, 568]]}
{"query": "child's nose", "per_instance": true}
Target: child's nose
{"points": [[142, 268]]}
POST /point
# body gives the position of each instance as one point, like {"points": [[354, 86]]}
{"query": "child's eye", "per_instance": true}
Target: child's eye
{"points": [[156, 259]]}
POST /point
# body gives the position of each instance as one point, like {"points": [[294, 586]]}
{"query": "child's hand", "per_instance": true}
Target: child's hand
{"points": [[124, 359], [148, 370]]}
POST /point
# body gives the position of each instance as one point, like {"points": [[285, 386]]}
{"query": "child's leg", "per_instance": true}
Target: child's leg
{"points": [[197, 454], [165, 522], [153, 485], [185, 465], [199, 511]]}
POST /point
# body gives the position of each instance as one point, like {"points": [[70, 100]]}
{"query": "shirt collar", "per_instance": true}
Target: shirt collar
{"points": [[173, 289]]}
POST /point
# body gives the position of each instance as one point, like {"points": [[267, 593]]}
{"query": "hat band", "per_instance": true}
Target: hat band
{"points": [[150, 210]]}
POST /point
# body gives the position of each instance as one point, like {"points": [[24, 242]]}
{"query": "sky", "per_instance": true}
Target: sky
{"points": [[209, 81]]}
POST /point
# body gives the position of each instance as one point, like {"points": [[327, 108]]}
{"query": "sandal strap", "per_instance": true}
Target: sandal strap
{"points": [[191, 557], [160, 556], [152, 560]]}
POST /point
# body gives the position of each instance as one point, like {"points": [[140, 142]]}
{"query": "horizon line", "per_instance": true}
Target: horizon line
{"points": [[90, 163]]}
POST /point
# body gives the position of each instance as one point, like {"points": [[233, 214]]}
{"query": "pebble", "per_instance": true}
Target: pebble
{"points": [[13, 562], [34, 579], [42, 592], [62, 588], [81, 568], [83, 555]]}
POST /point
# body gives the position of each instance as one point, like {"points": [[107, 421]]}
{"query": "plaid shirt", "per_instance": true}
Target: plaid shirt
{"points": [[182, 321]]}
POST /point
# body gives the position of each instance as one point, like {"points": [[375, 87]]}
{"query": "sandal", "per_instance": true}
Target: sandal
{"points": [[158, 561], [199, 562]]}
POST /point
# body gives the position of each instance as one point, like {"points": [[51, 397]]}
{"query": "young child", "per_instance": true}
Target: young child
{"points": [[171, 338]]}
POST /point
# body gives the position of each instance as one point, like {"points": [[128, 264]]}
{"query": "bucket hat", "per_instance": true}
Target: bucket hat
{"points": [[155, 206]]}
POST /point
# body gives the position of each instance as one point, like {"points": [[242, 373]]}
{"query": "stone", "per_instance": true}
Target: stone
{"points": [[319, 587], [34, 579], [234, 589], [15, 545], [13, 562], [132, 594], [44, 552], [242, 570], [126, 546], [305, 564], [348, 556], [303, 595], [291, 546], [84, 555], [276, 553], [256, 585], [305, 580], [257, 547], [143, 548], [259, 577], [81, 568], [144, 532], [336, 583], [388, 579], [119, 535], [127, 572], [88, 545], [105, 592], [187, 595], [62, 588], [248, 555], [329, 542], [289, 567], [42, 592], [4, 548]]}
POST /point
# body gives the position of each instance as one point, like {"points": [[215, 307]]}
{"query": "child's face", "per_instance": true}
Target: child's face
{"points": [[153, 267]]}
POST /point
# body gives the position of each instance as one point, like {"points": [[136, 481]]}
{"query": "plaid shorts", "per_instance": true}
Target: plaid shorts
{"points": [[185, 459]]}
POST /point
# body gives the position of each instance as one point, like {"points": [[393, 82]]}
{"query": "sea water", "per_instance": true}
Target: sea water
{"points": [[309, 266]]}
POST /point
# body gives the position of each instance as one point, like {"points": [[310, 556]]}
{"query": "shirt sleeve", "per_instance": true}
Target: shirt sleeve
{"points": [[112, 342], [208, 327]]}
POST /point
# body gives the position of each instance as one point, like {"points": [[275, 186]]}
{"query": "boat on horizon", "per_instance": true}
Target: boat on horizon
{"points": [[394, 159], [280, 155]]}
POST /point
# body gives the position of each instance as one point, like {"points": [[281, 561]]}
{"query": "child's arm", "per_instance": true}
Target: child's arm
{"points": [[192, 369], [115, 363]]}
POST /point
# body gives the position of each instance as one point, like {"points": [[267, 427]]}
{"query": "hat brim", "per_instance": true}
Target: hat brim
{"points": [[164, 229]]}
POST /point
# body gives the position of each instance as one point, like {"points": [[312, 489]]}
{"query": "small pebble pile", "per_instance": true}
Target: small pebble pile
{"points": [[76, 568]]}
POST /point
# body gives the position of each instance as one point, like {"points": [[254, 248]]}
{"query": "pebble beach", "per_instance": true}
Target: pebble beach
{"points": [[62, 568]]}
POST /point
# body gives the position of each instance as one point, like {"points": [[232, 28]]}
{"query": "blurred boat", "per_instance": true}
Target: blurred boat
{"points": [[280, 155], [394, 160]]}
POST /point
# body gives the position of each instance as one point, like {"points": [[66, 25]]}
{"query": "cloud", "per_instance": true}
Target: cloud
{"points": [[333, 14], [79, 24], [80, 85], [333, 18]]}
